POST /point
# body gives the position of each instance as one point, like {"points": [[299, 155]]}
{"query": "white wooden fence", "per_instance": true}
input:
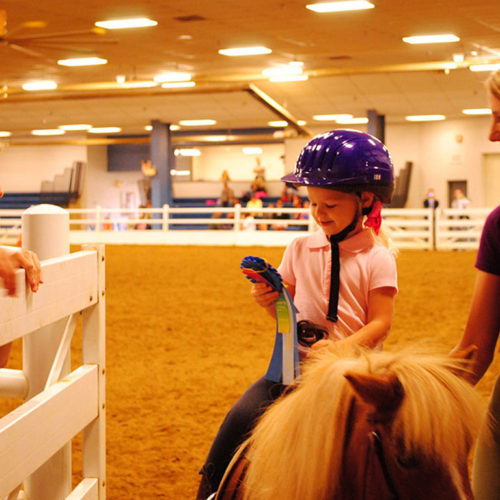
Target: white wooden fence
{"points": [[35, 438], [422, 229]]}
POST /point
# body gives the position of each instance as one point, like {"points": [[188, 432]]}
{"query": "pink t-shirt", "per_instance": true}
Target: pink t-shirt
{"points": [[364, 266]]}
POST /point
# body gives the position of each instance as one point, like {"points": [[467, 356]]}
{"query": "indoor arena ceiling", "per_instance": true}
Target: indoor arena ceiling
{"points": [[355, 62]]}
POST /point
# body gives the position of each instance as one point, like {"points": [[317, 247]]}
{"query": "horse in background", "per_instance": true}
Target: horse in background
{"points": [[369, 426]]}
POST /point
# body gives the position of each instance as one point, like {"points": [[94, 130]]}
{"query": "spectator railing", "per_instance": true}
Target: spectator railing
{"points": [[419, 229]]}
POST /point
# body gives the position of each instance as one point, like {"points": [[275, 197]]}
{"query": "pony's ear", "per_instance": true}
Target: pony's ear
{"points": [[385, 393], [468, 353]]}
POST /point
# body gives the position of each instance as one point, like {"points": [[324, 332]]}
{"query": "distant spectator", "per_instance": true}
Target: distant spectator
{"points": [[255, 202], [279, 215], [248, 223], [142, 225], [286, 194], [430, 200], [459, 200]]}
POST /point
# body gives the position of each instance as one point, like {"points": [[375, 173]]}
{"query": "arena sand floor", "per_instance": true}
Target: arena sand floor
{"points": [[185, 339]]}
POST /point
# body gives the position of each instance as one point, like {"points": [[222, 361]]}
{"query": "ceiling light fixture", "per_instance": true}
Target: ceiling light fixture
{"points": [[187, 152], [278, 123], [120, 78], [82, 61], [197, 123], [288, 69], [174, 127], [332, 118], [245, 51], [5, 133], [172, 77], [40, 85], [104, 130], [477, 111], [176, 85], [48, 131], [420, 39], [425, 118], [148, 128], [143, 84], [484, 67], [75, 127], [116, 24], [252, 151], [340, 6]]}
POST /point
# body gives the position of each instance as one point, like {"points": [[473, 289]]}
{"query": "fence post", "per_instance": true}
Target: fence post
{"points": [[237, 216], [165, 217], [46, 232]]}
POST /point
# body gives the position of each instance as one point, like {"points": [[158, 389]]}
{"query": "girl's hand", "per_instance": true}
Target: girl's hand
{"points": [[264, 294], [11, 261]]}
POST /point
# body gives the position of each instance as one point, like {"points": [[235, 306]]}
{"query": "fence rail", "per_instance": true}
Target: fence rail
{"points": [[447, 229]]}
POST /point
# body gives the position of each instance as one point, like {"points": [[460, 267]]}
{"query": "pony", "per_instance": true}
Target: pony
{"points": [[370, 425]]}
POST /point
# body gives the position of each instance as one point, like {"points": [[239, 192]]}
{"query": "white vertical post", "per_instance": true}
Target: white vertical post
{"points": [[165, 217], [237, 216], [94, 352], [46, 232]]}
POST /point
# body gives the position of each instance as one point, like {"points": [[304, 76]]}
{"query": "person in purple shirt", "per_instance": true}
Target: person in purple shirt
{"points": [[482, 329]]}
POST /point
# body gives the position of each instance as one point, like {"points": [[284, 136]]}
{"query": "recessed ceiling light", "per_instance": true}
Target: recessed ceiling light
{"points": [[174, 127], [425, 118], [443, 38], [5, 133], [252, 151], [148, 128], [40, 85], [82, 61], [302, 122], [104, 130], [48, 131], [176, 85], [77, 126], [352, 121], [116, 24], [245, 51], [287, 69], [340, 6], [278, 123], [120, 78], [332, 118], [216, 138], [288, 78], [187, 152], [484, 67], [172, 76], [197, 123], [174, 171], [477, 111]]}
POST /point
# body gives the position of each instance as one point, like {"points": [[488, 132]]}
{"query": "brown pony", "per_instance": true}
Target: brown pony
{"points": [[369, 426]]}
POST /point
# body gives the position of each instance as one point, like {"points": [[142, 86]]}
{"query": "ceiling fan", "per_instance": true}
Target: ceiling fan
{"points": [[26, 44]]}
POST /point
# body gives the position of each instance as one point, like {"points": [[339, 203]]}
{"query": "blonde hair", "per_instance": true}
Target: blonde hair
{"points": [[493, 83], [296, 451]]}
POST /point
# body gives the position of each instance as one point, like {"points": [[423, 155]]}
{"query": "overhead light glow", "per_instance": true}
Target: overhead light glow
{"points": [[117, 24], [174, 127], [216, 138], [148, 128], [172, 77], [177, 85], [197, 123], [425, 118], [75, 127], [287, 69], [82, 61], [332, 118], [40, 85], [443, 38], [340, 6], [477, 111], [179, 172], [484, 67], [252, 151], [301, 122], [245, 51], [48, 131], [289, 78], [104, 130], [5, 133], [278, 123], [352, 121], [187, 152], [120, 78]]}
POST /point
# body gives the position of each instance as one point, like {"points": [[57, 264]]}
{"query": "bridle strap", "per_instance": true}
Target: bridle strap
{"points": [[379, 451]]}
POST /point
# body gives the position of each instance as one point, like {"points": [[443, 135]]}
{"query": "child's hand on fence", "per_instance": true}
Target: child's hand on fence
{"points": [[11, 261], [264, 295]]}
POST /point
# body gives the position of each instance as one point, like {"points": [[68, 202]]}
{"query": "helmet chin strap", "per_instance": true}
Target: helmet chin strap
{"points": [[335, 239]]}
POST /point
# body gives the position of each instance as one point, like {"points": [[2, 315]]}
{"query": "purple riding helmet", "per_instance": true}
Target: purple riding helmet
{"points": [[345, 160]]}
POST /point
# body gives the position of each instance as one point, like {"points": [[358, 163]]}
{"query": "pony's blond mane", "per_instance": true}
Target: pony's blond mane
{"points": [[296, 449]]}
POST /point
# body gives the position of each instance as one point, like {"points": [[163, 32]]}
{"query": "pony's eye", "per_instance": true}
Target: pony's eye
{"points": [[407, 461]]}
